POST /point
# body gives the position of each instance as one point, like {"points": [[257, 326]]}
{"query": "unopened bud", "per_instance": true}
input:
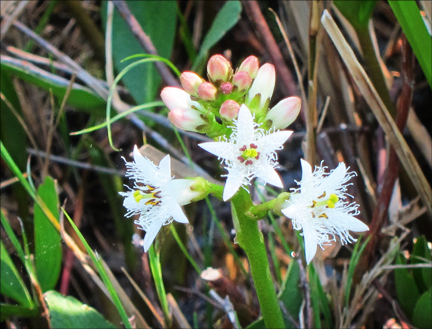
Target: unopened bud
{"points": [[229, 110], [242, 80], [218, 68], [177, 98], [207, 92], [190, 82], [284, 113], [186, 119], [226, 88], [263, 84], [250, 65]]}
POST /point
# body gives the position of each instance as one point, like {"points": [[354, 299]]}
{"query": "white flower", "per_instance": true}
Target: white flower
{"points": [[155, 196], [320, 209], [249, 152]]}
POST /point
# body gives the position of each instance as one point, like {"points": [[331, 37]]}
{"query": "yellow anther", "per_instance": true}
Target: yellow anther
{"points": [[250, 153], [322, 196], [323, 216]]}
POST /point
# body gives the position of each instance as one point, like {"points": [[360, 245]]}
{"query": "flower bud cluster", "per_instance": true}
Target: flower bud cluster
{"points": [[200, 103]]}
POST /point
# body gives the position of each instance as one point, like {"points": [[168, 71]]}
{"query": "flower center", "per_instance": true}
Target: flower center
{"points": [[152, 194], [248, 154], [329, 202]]}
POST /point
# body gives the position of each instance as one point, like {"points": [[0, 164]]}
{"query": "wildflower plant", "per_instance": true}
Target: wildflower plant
{"points": [[233, 109]]}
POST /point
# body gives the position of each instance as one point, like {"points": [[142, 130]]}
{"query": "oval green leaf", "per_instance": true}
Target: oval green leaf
{"points": [[48, 253], [68, 312]]}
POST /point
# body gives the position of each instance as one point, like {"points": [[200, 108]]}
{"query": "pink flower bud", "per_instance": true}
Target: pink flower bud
{"points": [[242, 80], [207, 92], [186, 119], [229, 110], [250, 65], [263, 84], [218, 68], [226, 88], [284, 113], [190, 82], [175, 97]]}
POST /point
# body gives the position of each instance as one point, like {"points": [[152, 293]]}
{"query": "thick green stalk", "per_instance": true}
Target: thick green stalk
{"points": [[251, 240]]}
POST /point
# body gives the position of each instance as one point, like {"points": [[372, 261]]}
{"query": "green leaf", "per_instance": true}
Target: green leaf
{"points": [[421, 252], [413, 25], [11, 284], [422, 317], [258, 324], [226, 18], [68, 312], [357, 12], [358, 250], [7, 310], [406, 288], [155, 267], [12, 134], [80, 97], [48, 252], [290, 293], [158, 20]]}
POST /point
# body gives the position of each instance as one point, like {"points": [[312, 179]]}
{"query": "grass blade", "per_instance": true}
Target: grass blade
{"points": [[99, 265]]}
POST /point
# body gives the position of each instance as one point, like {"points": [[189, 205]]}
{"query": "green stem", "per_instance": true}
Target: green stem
{"points": [[251, 240], [261, 210], [373, 67]]}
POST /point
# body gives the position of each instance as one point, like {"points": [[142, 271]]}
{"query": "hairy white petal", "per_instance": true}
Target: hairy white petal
{"points": [[151, 233], [310, 242], [217, 148], [276, 140], [232, 185], [245, 126], [270, 176], [178, 214], [165, 165]]}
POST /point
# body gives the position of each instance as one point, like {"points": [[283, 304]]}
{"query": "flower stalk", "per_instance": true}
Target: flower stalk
{"points": [[275, 205], [250, 238]]}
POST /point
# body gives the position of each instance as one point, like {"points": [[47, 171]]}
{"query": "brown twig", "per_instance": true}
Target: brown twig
{"points": [[306, 292], [270, 44], [144, 41], [386, 188]]}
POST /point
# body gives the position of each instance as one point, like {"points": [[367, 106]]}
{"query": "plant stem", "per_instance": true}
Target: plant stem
{"points": [[251, 240], [261, 210]]}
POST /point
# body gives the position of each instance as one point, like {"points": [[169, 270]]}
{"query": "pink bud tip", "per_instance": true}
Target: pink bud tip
{"points": [[218, 68], [242, 80], [285, 112], [229, 110], [207, 92], [190, 82], [186, 119], [250, 65], [226, 88]]}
